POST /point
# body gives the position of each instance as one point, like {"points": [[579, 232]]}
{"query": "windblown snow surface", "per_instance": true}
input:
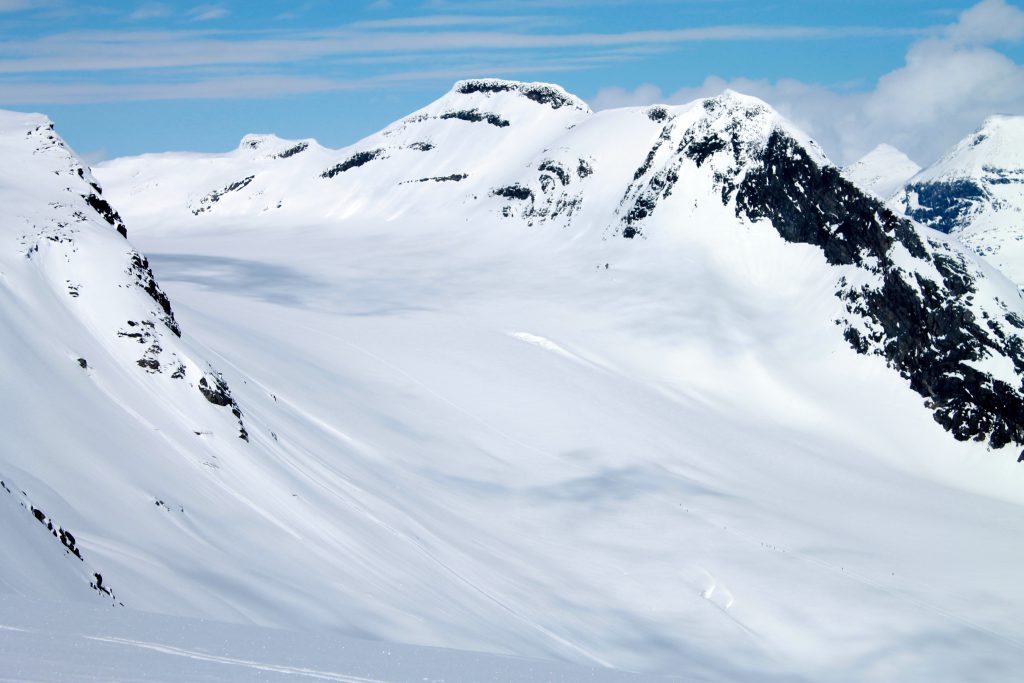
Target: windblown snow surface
{"points": [[514, 377]]}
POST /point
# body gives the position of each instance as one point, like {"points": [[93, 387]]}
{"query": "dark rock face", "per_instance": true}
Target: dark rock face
{"points": [[453, 178], [649, 186], [218, 393], [292, 151], [475, 116], [925, 329], [847, 225], [106, 211], [556, 192], [143, 274], [657, 113], [207, 202], [941, 205], [515, 191], [355, 161]]}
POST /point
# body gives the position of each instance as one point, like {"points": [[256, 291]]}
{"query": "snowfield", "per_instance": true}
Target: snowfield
{"points": [[514, 378]]}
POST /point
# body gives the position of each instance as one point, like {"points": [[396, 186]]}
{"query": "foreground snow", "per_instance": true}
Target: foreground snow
{"points": [[65, 642]]}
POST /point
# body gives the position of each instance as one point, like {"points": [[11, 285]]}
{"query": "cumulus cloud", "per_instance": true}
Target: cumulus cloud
{"points": [[987, 22], [948, 84]]}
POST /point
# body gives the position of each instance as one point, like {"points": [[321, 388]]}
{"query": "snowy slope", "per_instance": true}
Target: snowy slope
{"points": [[124, 645], [882, 171], [976, 192], [598, 400]]}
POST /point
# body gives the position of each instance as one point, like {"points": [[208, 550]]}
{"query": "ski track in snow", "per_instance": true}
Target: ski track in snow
{"points": [[231, 661], [418, 544]]}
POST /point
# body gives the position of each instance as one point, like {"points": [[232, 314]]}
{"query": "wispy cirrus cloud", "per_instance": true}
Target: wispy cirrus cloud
{"points": [[111, 51], [208, 12], [150, 10], [203, 86]]}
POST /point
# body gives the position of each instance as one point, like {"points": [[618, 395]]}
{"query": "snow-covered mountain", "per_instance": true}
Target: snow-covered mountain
{"points": [[534, 154], [976, 192], [654, 388], [882, 171]]}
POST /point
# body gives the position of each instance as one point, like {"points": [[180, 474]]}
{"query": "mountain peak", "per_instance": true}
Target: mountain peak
{"points": [[977, 192], [882, 171], [268, 145], [755, 120], [548, 94], [11, 121], [997, 144]]}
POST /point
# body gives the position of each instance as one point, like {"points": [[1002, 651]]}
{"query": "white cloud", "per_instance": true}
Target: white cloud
{"points": [[207, 12], [150, 10], [944, 90], [987, 22]]}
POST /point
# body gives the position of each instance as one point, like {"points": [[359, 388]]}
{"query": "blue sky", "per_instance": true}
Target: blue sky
{"points": [[124, 77]]}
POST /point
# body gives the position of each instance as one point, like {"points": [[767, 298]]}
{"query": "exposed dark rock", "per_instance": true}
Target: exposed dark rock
{"points": [[515, 191], [292, 151], [82, 363], [700, 150], [941, 204], [143, 275], [207, 202], [657, 113], [421, 146], [106, 211], [924, 329], [455, 177], [541, 94], [555, 169], [219, 394], [476, 116], [355, 161], [814, 205]]}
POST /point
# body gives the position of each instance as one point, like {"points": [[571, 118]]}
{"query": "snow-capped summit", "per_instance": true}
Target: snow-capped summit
{"points": [[268, 146], [976, 192], [995, 149], [882, 171], [547, 94]]}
